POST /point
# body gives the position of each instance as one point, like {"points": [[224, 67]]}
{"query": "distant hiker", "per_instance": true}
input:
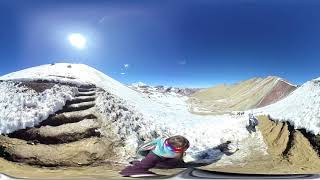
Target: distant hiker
{"points": [[160, 153], [253, 122]]}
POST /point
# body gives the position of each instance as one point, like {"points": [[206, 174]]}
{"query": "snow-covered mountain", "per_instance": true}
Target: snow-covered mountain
{"points": [[139, 113], [148, 116], [144, 88]]}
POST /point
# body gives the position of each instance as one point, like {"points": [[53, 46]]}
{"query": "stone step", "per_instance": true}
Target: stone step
{"points": [[81, 99], [87, 86], [78, 106], [86, 90], [60, 134], [91, 93], [78, 153], [68, 117]]}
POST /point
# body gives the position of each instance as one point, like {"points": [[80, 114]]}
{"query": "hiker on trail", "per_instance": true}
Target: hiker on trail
{"points": [[253, 122], [160, 153]]}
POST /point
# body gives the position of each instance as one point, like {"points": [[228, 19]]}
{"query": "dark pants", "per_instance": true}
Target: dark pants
{"points": [[151, 161]]}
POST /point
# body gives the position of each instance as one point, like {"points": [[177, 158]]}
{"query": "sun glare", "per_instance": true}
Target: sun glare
{"points": [[77, 40]]}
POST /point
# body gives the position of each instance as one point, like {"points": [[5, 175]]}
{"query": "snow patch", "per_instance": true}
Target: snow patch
{"points": [[138, 84]]}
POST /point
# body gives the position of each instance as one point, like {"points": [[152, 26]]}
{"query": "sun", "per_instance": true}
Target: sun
{"points": [[77, 40]]}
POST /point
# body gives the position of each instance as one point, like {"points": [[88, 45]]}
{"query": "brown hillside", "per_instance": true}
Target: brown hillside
{"points": [[252, 93], [279, 91]]}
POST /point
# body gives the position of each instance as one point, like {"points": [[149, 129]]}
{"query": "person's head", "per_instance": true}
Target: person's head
{"points": [[178, 143]]}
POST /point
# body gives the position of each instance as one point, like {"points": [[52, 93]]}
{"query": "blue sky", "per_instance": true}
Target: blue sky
{"points": [[181, 43]]}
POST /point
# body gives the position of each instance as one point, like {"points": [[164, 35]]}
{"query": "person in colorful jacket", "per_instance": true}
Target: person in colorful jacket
{"points": [[160, 153]]}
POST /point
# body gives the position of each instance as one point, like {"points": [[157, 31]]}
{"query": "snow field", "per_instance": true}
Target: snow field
{"points": [[21, 107], [136, 117]]}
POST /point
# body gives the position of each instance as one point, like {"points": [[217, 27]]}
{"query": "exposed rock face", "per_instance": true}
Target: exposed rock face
{"points": [[289, 152], [287, 143], [38, 87], [186, 91], [252, 93], [70, 137], [314, 139], [276, 135]]}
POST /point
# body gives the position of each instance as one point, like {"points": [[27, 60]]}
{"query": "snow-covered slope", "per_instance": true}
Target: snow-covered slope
{"points": [[21, 107], [75, 73], [163, 116], [301, 108]]}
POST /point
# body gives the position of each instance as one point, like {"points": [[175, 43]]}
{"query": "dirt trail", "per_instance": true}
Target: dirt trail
{"points": [[107, 171]]}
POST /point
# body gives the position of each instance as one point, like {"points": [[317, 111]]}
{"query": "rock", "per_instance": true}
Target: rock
{"points": [[38, 87], [81, 99], [68, 117], [90, 93], [79, 106], [86, 89]]}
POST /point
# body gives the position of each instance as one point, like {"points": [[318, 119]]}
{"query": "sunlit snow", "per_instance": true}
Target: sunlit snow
{"points": [[158, 114]]}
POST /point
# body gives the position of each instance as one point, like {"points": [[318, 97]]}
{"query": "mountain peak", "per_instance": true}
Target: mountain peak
{"points": [[247, 94]]}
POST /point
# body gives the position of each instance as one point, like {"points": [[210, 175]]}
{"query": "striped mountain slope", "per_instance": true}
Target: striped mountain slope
{"points": [[252, 93]]}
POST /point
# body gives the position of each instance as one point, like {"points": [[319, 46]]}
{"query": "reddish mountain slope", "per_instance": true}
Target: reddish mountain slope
{"points": [[278, 92], [252, 93]]}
